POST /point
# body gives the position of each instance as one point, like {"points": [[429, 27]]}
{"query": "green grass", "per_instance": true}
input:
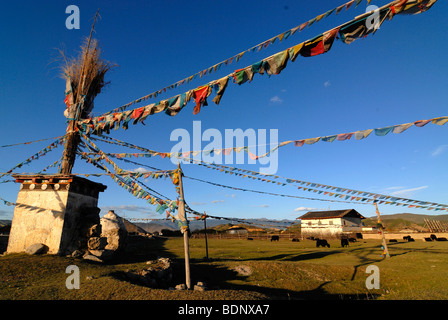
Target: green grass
{"points": [[274, 270]]}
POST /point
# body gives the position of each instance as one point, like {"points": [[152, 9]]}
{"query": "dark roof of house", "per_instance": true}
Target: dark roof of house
{"points": [[331, 214]]}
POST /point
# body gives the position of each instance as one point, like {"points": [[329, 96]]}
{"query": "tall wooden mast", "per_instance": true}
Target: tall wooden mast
{"points": [[73, 139]]}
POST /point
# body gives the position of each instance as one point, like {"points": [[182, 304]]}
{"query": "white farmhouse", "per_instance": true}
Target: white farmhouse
{"points": [[335, 223]]}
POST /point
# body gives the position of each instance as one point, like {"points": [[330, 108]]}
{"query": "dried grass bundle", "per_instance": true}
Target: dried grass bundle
{"points": [[84, 76]]}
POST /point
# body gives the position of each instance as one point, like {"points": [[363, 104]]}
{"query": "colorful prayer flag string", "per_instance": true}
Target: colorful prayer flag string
{"points": [[357, 195], [29, 142], [359, 135], [263, 192], [263, 45], [37, 155], [131, 185], [348, 32]]}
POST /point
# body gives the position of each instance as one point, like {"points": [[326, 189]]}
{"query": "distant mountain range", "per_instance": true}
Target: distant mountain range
{"points": [[405, 221], [211, 223], [5, 223], [391, 221], [416, 218], [395, 221]]}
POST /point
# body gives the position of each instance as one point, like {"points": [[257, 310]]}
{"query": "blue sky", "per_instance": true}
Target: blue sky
{"points": [[396, 76]]}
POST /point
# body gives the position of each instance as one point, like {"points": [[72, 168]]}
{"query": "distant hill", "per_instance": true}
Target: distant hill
{"points": [[405, 221], [5, 222], [415, 218], [132, 227], [213, 223]]}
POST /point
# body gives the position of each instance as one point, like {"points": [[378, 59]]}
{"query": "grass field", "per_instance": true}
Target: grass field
{"points": [[244, 270]]}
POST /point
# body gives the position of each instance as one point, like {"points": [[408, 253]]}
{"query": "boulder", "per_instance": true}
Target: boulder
{"points": [[91, 257], [181, 286], [102, 254], [36, 248], [158, 275], [77, 254], [94, 231], [97, 243], [200, 286], [113, 228]]}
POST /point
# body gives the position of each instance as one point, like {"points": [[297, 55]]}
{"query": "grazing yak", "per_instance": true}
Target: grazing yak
{"points": [[250, 239], [344, 243], [408, 238], [275, 238], [322, 242], [433, 237]]}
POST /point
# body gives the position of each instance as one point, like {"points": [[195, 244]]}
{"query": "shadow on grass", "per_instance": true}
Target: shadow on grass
{"points": [[220, 277], [298, 257], [141, 249]]}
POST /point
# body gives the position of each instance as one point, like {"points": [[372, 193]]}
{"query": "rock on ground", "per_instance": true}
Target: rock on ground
{"points": [[113, 228], [36, 248]]}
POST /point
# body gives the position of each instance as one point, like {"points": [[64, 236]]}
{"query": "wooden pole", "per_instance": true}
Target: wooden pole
{"points": [[73, 139], [205, 233], [70, 147], [426, 225], [439, 226], [386, 250], [433, 227], [430, 225], [183, 218]]}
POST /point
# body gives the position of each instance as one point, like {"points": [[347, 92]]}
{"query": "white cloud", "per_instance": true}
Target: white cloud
{"points": [[394, 188], [198, 203], [263, 206], [327, 84], [218, 201], [6, 213], [119, 210], [276, 99], [140, 170], [304, 209], [407, 192], [439, 150]]}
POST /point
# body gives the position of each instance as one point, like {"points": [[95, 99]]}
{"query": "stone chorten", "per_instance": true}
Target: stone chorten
{"points": [[54, 210]]}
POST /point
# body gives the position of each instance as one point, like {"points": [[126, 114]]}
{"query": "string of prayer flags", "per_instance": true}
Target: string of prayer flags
{"points": [[274, 64], [262, 192], [8, 203], [358, 135], [50, 166], [365, 199], [132, 186], [29, 142], [342, 193], [37, 155], [346, 193], [263, 45], [203, 216]]}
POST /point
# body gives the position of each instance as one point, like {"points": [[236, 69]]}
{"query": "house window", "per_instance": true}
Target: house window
{"points": [[309, 223], [319, 222], [330, 222]]}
